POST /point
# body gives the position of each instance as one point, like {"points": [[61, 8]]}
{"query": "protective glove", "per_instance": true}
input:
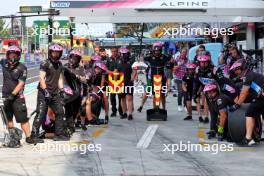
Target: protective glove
{"points": [[62, 94], [234, 107], [47, 95], [11, 98]]}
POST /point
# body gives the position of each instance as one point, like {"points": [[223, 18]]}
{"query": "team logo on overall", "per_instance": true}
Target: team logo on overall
{"points": [[116, 82]]}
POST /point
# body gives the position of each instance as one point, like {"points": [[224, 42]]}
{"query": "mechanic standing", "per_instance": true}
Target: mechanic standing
{"points": [[112, 64], [14, 78], [157, 63], [50, 94], [72, 106]]}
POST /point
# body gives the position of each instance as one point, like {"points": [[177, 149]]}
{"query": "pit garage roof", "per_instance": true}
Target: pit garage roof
{"points": [[148, 11]]}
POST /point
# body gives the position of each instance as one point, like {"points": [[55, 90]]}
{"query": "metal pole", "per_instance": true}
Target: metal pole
{"points": [[71, 20], [71, 35], [22, 38], [141, 39], [12, 24], [50, 29]]}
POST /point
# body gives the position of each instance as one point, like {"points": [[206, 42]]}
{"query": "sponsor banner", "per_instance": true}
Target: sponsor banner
{"points": [[157, 4]]}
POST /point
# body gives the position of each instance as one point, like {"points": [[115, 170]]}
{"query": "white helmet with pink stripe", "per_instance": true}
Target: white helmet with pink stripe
{"points": [[74, 58], [14, 49], [203, 58], [191, 66], [76, 53], [124, 50], [238, 64], [155, 44], [14, 60], [96, 58], [101, 66], [55, 47], [210, 87]]}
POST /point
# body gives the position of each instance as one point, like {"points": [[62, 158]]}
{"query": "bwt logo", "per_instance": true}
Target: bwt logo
{"points": [[60, 4]]}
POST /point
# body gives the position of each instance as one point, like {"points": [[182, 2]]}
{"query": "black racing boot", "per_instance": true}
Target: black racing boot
{"points": [[113, 114], [30, 140], [106, 119], [247, 142], [201, 120], [84, 128], [36, 138], [130, 117], [211, 134], [220, 137], [140, 109], [94, 122], [188, 118], [206, 120], [124, 116]]}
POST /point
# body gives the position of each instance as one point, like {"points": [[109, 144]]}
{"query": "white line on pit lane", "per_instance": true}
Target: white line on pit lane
{"points": [[147, 137], [32, 77]]}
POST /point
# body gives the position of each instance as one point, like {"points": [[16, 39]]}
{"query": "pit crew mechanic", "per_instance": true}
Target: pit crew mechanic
{"points": [[50, 94], [14, 78], [253, 83]]}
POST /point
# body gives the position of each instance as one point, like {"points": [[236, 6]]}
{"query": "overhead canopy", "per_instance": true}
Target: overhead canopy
{"points": [[148, 11]]}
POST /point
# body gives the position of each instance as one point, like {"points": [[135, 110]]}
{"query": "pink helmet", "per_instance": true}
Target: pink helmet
{"points": [[157, 44], [203, 58], [13, 49], [101, 65], [55, 47], [239, 63], [124, 50], [13, 61], [76, 52], [191, 66], [209, 87], [96, 58], [235, 66]]}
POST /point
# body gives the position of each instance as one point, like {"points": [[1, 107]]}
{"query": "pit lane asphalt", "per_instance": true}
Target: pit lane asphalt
{"points": [[120, 154]]}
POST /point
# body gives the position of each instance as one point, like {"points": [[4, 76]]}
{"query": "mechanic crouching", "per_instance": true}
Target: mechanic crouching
{"points": [[219, 105]]}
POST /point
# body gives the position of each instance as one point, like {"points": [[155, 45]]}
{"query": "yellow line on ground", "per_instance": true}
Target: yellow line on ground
{"points": [[201, 133], [243, 149], [99, 126], [97, 133]]}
